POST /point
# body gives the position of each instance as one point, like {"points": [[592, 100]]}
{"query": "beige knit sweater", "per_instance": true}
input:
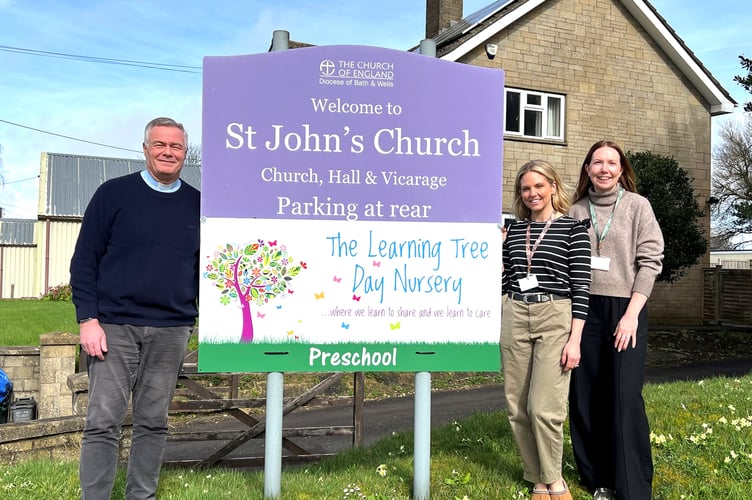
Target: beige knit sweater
{"points": [[634, 243]]}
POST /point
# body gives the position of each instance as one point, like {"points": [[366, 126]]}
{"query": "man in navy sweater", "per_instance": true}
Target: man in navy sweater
{"points": [[134, 275]]}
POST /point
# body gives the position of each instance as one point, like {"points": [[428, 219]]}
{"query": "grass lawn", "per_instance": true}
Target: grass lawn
{"points": [[22, 321], [701, 435]]}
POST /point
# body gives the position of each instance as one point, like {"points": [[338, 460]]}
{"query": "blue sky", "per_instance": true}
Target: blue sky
{"points": [[111, 103]]}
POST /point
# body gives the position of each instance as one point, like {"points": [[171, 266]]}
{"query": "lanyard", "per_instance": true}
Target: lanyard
{"points": [[602, 236], [530, 251]]}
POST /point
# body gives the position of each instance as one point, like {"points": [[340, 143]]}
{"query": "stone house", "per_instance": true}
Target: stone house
{"points": [[577, 71]]}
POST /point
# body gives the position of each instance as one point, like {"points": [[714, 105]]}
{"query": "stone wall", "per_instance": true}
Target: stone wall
{"points": [[22, 366], [48, 374], [52, 438], [42, 372], [57, 439]]}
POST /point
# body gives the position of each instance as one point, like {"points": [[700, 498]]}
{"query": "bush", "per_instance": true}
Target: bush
{"points": [[58, 293], [669, 189]]}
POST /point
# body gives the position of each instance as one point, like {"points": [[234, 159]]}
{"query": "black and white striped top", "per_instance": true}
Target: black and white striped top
{"points": [[561, 263]]}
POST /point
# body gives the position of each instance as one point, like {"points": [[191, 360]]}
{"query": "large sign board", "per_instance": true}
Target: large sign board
{"points": [[350, 201]]}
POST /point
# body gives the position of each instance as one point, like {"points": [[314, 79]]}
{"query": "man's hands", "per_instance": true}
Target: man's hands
{"points": [[92, 339]]}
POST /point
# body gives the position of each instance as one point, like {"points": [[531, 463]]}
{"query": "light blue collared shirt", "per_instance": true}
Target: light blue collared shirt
{"points": [[158, 186]]}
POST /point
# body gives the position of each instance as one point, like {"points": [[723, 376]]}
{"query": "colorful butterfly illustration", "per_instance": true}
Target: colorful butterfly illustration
{"points": [[319, 295], [305, 266], [290, 291], [279, 307], [290, 332], [376, 263], [356, 298], [337, 280], [273, 243], [394, 326], [259, 315], [345, 326]]}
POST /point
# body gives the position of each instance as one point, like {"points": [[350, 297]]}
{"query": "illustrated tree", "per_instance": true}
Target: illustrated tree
{"points": [[256, 273]]}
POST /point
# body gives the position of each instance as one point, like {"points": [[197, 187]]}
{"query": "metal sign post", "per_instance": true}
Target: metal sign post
{"points": [[422, 424], [275, 383]]}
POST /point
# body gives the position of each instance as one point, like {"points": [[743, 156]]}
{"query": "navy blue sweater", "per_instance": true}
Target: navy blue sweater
{"points": [[136, 258]]}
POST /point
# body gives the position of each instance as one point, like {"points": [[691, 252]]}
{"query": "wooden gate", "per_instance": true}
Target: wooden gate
{"points": [[196, 397]]}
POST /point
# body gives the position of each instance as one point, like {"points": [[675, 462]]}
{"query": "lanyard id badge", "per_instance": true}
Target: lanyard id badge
{"points": [[531, 281], [596, 261], [528, 283], [600, 263]]}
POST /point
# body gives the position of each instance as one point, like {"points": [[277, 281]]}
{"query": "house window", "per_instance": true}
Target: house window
{"points": [[534, 114]]}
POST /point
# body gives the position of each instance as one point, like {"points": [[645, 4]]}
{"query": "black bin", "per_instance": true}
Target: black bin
{"points": [[5, 408], [23, 410]]}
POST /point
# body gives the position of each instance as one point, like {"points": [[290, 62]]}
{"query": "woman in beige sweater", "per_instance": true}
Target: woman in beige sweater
{"points": [[608, 423]]}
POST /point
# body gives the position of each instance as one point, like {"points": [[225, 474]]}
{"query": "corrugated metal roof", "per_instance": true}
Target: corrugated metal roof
{"points": [[17, 231], [71, 180], [192, 175]]}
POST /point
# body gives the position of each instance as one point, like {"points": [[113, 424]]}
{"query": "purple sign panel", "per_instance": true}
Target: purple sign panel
{"points": [[351, 133], [350, 197]]}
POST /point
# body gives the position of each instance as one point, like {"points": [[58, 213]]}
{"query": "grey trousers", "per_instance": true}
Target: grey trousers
{"points": [[535, 385], [141, 363]]}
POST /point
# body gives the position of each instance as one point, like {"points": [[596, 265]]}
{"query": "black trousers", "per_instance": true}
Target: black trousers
{"points": [[609, 427]]}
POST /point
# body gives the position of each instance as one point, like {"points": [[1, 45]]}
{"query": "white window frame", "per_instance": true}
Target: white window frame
{"points": [[541, 104]]}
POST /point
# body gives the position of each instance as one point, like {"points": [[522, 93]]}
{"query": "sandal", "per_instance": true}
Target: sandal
{"points": [[540, 495], [560, 495]]}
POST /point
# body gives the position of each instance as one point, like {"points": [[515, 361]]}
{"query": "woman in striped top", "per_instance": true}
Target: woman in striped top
{"points": [[545, 285]]}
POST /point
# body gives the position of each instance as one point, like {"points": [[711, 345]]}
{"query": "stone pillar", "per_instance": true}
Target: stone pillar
{"points": [[57, 361], [78, 383]]}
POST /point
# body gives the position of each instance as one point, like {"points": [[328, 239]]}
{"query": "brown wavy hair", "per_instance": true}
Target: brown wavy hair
{"points": [[627, 179]]}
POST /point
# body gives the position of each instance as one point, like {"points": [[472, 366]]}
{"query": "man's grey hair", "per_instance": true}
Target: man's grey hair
{"points": [[163, 121]]}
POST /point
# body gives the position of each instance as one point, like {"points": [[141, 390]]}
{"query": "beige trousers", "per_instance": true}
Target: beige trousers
{"points": [[535, 385]]}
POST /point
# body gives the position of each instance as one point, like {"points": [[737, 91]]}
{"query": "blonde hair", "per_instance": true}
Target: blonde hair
{"points": [[560, 198]]}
